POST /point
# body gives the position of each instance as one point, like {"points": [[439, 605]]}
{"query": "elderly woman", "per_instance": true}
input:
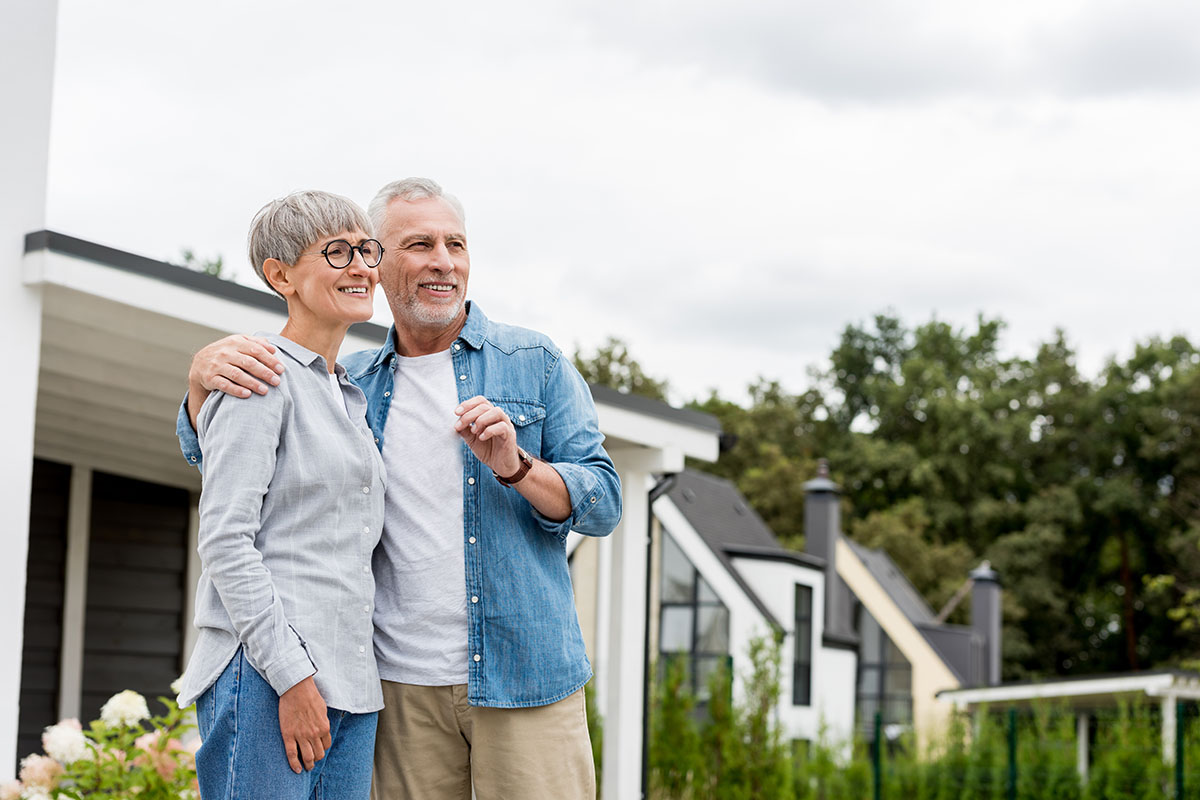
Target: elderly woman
{"points": [[283, 673]]}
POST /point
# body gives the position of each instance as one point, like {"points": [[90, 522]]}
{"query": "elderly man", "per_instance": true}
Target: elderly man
{"points": [[493, 454]]}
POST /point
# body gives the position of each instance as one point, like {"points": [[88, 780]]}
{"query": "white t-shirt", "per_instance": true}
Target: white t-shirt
{"points": [[337, 392], [421, 603]]}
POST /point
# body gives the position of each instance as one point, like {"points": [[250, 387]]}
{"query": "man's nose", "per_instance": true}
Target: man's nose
{"points": [[441, 258]]}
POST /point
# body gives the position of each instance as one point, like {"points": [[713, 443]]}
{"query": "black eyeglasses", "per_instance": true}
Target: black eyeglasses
{"points": [[339, 253]]}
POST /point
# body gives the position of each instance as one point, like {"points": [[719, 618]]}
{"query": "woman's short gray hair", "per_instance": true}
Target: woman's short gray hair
{"points": [[284, 228], [410, 189]]}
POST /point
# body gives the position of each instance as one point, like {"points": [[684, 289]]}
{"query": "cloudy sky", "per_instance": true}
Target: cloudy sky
{"points": [[723, 185]]}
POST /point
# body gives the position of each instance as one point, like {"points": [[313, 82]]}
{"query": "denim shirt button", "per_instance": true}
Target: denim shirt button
{"points": [[471, 540], [193, 459], [474, 599], [462, 377], [477, 656], [457, 346], [387, 394], [593, 499], [470, 481]]}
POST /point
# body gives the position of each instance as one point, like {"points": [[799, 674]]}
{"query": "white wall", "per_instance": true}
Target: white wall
{"points": [[833, 670], [27, 40]]}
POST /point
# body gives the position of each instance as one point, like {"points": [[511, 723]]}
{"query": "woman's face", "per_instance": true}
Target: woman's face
{"points": [[343, 295]]}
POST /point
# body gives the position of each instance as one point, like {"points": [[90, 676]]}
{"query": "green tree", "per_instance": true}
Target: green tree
{"points": [[209, 266], [613, 366]]}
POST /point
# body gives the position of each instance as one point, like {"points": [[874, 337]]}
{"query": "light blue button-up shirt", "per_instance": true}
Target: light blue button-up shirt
{"points": [[525, 647], [290, 514]]}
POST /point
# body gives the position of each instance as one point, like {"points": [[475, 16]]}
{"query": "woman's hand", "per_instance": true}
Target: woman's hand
{"points": [[304, 723]]}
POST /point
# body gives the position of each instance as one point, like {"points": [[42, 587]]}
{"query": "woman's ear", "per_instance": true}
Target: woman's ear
{"points": [[275, 272]]}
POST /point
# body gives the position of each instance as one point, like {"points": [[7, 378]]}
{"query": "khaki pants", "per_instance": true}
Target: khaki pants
{"points": [[431, 745]]}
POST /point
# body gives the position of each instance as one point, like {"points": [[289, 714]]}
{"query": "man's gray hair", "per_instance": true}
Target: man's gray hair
{"points": [[284, 228], [410, 189]]}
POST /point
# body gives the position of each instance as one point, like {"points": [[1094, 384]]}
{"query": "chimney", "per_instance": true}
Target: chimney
{"points": [[985, 618], [822, 526]]}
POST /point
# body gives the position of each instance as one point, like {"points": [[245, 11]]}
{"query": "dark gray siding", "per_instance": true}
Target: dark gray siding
{"points": [[137, 560], [43, 603]]}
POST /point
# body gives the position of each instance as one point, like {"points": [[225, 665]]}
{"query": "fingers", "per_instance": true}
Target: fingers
{"points": [[292, 756], [485, 421], [237, 365], [307, 755]]}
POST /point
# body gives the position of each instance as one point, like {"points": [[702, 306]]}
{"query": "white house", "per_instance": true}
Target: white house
{"points": [[857, 638]]}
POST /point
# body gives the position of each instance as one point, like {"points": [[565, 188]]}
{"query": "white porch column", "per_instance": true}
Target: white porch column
{"points": [[79, 528], [27, 38], [624, 659], [1169, 729]]}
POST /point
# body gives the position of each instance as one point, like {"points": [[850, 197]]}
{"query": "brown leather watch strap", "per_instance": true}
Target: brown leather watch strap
{"points": [[526, 465]]}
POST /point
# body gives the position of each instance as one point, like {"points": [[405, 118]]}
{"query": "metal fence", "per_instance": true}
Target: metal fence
{"points": [[1131, 752]]}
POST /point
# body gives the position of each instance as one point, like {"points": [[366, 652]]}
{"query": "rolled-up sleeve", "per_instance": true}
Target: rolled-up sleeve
{"points": [[573, 445], [239, 439], [188, 442]]}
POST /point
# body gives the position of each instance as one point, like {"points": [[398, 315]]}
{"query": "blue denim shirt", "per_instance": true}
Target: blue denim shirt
{"points": [[524, 631]]}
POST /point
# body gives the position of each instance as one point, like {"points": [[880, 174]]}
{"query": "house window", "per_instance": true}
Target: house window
{"points": [[884, 678], [693, 622], [802, 662]]}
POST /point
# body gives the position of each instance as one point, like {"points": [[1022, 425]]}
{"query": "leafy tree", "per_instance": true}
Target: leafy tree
{"points": [[613, 366], [209, 266]]}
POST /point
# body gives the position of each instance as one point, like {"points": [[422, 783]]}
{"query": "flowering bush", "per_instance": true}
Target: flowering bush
{"points": [[124, 753]]}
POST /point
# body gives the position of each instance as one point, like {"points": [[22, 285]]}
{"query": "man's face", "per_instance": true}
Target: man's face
{"points": [[425, 264]]}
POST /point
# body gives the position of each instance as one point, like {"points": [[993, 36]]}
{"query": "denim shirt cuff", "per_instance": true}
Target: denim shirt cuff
{"points": [[188, 442], [585, 493]]}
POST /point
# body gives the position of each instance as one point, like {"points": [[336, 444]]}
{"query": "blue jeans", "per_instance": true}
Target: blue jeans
{"points": [[242, 755]]}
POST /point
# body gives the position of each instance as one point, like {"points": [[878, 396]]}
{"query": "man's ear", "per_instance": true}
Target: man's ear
{"points": [[276, 274]]}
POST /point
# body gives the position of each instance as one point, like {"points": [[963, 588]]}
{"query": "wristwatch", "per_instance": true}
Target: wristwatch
{"points": [[526, 465]]}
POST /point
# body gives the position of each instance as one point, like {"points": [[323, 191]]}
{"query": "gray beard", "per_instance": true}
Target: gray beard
{"points": [[426, 316]]}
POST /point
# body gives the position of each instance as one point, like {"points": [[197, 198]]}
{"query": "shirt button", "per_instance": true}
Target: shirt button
{"points": [[376, 440], [366, 530], [477, 656], [366, 490], [193, 459], [457, 346], [387, 394], [474, 599], [462, 377], [593, 499], [366, 569], [470, 481], [366, 608], [362, 649], [471, 540], [520, 418]]}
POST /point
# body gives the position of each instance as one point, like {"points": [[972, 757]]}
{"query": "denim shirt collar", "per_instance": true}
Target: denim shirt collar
{"points": [[473, 333]]}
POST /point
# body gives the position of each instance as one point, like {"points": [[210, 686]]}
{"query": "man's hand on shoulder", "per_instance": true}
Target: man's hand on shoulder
{"points": [[236, 365]]}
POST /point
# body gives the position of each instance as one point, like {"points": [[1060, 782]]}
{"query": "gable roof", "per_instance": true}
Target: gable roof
{"points": [[719, 513], [957, 645]]}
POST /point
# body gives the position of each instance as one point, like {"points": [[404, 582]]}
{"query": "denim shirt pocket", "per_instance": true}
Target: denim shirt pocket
{"points": [[527, 417]]}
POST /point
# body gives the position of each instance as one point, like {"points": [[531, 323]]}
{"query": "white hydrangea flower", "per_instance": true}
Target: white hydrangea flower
{"points": [[35, 793], [65, 742], [125, 708], [176, 685]]}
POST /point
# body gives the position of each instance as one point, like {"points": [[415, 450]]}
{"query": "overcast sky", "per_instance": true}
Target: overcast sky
{"points": [[723, 185]]}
